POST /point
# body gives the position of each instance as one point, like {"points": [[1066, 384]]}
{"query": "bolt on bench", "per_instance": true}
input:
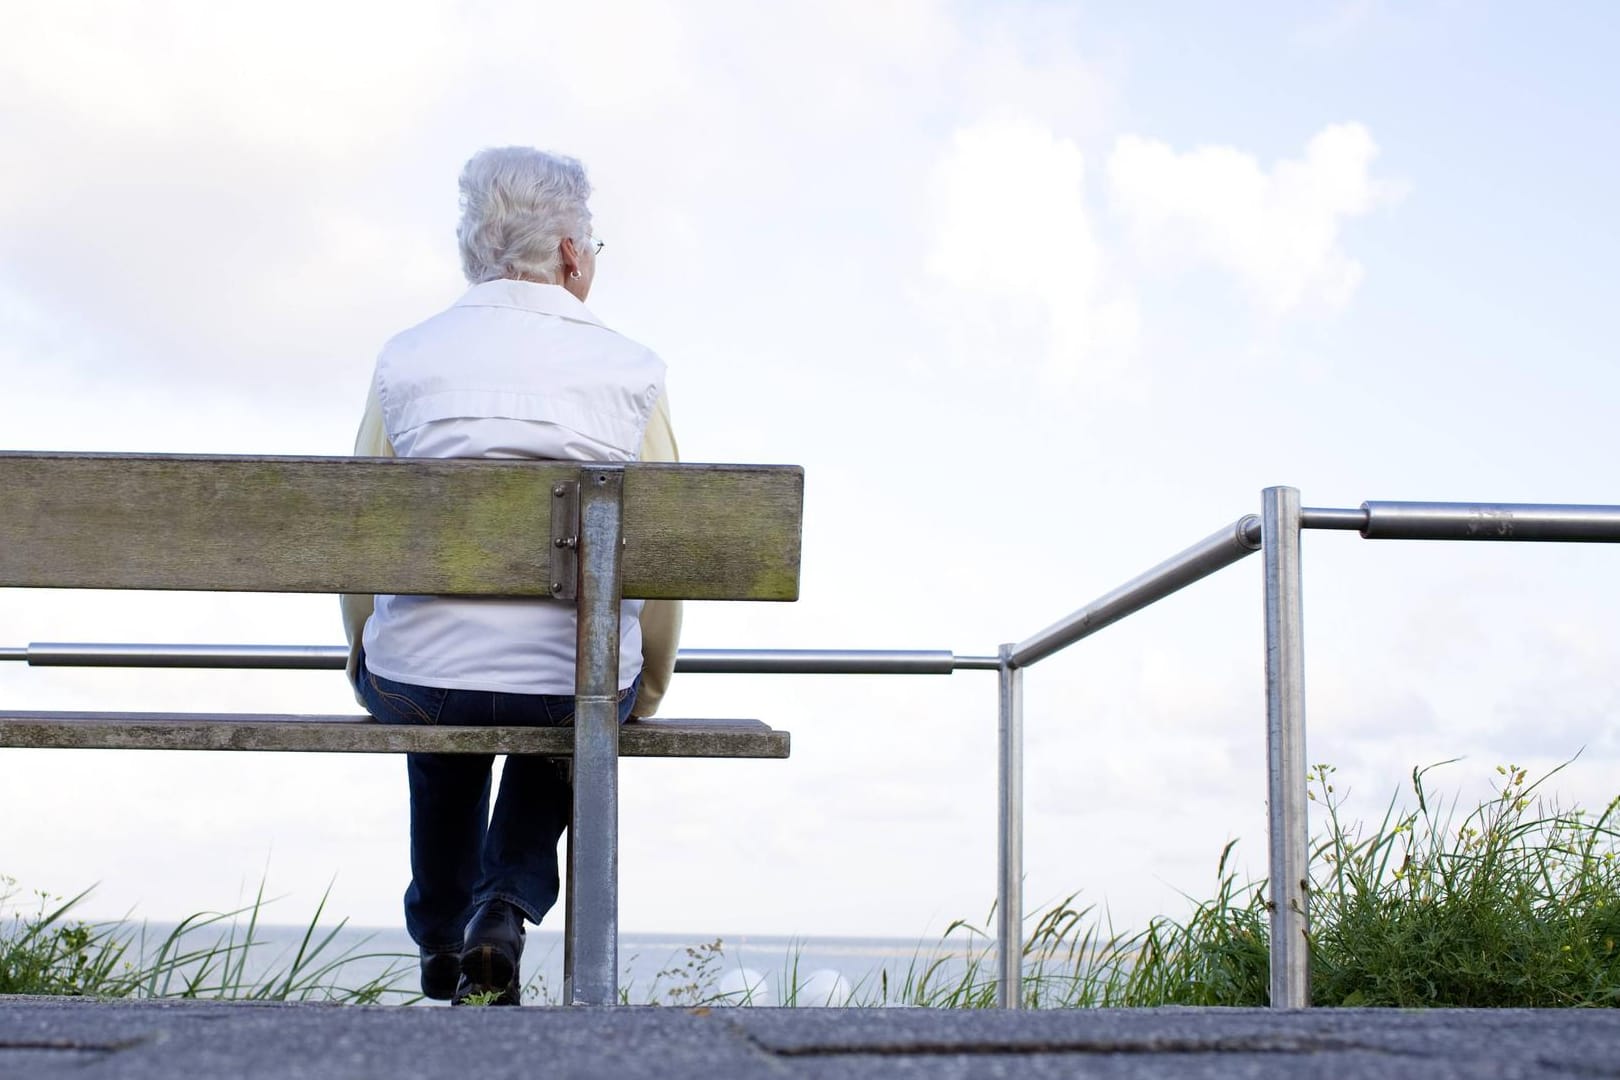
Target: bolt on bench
{"points": [[587, 533]]}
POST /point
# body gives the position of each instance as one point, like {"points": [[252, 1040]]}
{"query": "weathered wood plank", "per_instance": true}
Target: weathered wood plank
{"points": [[684, 521], [362, 734], [244, 524]]}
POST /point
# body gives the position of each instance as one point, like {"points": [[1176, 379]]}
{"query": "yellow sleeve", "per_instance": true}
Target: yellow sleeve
{"points": [[372, 441], [660, 619]]}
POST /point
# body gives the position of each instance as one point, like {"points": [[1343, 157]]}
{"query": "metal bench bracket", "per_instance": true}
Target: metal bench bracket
{"points": [[565, 540]]}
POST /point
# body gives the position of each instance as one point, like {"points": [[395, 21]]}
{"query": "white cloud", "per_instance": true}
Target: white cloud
{"points": [[194, 71], [1024, 63], [1277, 231], [1027, 267], [1013, 235], [200, 179]]}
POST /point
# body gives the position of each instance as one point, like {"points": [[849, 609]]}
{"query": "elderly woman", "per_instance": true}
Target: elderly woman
{"points": [[516, 368]]}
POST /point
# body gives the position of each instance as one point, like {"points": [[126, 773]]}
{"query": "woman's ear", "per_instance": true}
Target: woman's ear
{"points": [[570, 258]]}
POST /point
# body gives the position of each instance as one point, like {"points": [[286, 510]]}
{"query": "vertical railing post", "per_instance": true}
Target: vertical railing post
{"points": [[1010, 835], [1285, 748], [593, 843]]}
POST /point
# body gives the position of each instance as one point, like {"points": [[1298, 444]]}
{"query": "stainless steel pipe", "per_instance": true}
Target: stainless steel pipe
{"points": [[98, 654], [1216, 551], [1316, 517], [1491, 521], [1010, 835], [829, 662], [333, 658], [1285, 752]]}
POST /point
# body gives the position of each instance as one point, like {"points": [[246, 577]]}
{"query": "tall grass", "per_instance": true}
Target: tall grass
{"points": [[1513, 903], [48, 950], [1517, 903]]}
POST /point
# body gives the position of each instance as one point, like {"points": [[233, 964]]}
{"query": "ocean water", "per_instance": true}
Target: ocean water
{"points": [[669, 969]]}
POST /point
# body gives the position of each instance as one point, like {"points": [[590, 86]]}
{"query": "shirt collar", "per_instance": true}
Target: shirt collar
{"points": [[529, 296]]}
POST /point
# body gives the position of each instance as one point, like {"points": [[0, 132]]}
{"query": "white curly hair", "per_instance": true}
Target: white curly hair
{"points": [[518, 204]]}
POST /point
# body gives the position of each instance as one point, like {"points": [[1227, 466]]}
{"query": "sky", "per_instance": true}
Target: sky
{"points": [[1037, 293]]}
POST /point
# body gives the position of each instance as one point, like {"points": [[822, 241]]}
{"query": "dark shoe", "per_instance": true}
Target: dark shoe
{"points": [[490, 953], [440, 970]]}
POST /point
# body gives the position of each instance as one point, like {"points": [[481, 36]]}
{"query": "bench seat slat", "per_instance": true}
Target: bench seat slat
{"points": [[362, 734]]}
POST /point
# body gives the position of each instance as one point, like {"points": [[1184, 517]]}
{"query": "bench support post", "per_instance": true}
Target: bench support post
{"points": [[592, 934]]}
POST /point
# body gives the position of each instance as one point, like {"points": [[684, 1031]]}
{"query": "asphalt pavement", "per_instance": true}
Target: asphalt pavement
{"points": [[45, 1039]]}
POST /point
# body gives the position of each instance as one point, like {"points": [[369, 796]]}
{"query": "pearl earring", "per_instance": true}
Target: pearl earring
{"points": [[573, 273]]}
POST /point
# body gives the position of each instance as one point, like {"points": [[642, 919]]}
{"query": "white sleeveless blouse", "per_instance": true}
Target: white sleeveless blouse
{"points": [[514, 369]]}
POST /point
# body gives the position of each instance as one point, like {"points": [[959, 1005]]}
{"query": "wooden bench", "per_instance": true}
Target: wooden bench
{"points": [[586, 533]]}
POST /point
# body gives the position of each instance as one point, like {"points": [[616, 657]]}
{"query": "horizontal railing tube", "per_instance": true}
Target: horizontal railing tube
{"points": [[278, 657], [1316, 517], [1491, 521], [334, 657], [815, 662], [1214, 552]]}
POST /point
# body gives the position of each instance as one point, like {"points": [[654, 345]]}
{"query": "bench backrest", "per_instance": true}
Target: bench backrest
{"points": [[376, 525]]}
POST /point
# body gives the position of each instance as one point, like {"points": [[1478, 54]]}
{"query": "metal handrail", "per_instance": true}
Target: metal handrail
{"points": [[1561, 523], [1276, 532], [1215, 552], [336, 657]]}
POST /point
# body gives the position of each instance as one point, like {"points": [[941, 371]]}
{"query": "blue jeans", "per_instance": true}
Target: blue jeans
{"points": [[461, 855]]}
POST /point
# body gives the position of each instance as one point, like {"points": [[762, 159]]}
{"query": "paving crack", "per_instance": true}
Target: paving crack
{"points": [[1577, 1068], [69, 1044]]}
